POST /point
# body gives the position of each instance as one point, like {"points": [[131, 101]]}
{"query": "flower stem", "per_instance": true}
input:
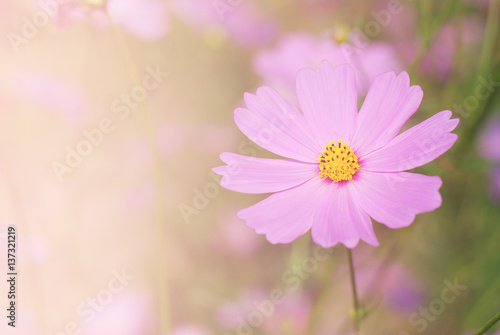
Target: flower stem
{"points": [[490, 38], [488, 325], [354, 293], [160, 215]]}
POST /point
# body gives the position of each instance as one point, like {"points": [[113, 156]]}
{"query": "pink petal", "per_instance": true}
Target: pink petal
{"points": [[395, 198], [339, 219], [274, 124], [286, 215], [328, 99], [260, 175], [389, 104], [415, 147]]}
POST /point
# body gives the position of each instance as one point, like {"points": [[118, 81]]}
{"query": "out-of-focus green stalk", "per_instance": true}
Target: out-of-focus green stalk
{"points": [[488, 325], [446, 12], [424, 9], [300, 250], [485, 67], [471, 125], [352, 278], [160, 215], [322, 298], [490, 38]]}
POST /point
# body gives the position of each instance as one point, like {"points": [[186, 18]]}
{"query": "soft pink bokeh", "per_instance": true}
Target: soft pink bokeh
{"points": [[71, 12], [129, 313], [440, 60], [391, 284], [189, 330], [144, 19], [53, 93], [233, 238], [488, 144], [243, 24], [293, 313]]}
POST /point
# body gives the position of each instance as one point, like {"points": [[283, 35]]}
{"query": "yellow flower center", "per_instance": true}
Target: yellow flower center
{"points": [[338, 162]]}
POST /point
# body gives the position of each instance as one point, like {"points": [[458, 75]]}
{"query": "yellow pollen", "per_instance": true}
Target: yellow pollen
{"points": [[338, 162]]}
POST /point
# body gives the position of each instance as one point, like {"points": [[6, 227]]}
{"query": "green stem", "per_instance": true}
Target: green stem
{"points": [[160, 215], [490, 37], [354, 293], [485, 65], [488, 325]]}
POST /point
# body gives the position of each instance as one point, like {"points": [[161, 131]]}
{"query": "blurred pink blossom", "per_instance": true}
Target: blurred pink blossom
{"points": [[488, 146], [393, 284], [294, 313], [249, 28], [440, 59], [72, 12], [243, 24], [278, 66], [235, 314], [144, 19], [489, 140], [129, 313]]}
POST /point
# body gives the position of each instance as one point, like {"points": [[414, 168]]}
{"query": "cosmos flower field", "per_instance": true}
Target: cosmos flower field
{"points": [[247, 167]]}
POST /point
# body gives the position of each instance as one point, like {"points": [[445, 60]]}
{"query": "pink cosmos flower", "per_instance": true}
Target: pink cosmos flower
{"points": [[342, 167]]}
